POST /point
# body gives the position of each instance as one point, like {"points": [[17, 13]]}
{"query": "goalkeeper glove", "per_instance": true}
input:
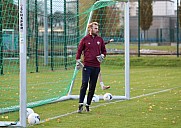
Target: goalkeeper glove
{"points": [[100, 58], [79, 64], [111, 40]]}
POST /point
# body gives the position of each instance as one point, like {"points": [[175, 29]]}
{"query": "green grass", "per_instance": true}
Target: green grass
{"points": [[153, 111], [159, 61], [147, 76], [135, 47], [161, 110]]}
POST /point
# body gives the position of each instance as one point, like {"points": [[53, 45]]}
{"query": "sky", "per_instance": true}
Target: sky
{"points": [[175, 1], [56, 3]]}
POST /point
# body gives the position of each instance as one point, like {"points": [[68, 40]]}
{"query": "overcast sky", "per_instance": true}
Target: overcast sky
{"points": [[176, 3]]}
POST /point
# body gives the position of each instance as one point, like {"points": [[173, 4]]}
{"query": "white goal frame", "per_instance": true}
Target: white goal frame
{"points": [[127, 58], [23, 77]]}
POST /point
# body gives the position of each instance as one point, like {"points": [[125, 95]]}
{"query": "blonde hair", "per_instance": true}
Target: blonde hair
{"points": [[90, 25]]}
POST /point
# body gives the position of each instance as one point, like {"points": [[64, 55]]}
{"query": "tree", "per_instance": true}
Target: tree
{"points": [[103, 15], [9, 15], [57, 18], [31, 10], [146, 13], [108, 18], [84, 6]]}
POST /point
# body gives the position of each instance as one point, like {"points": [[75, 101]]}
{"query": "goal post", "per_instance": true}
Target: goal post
{"points": [[23, 56], [127, 52]]}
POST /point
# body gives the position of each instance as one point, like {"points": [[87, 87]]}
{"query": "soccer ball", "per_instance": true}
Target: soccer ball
{"points": [[29, 111], [95, 98], [33, 118], [107, 97]]}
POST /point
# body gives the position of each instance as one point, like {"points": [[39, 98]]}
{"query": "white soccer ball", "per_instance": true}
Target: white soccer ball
{"points": [[95, 98], [33, 118], [29, 111], [107, 97]]}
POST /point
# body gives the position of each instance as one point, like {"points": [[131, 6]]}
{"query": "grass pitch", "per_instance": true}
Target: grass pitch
{"points": [[155, 100]]}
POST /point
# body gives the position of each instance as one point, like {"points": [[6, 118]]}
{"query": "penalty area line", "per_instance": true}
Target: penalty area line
{"points": [[143, 95]]}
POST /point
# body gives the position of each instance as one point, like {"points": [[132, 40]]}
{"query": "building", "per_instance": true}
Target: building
{"points": [[163, 28], [160, 7]]}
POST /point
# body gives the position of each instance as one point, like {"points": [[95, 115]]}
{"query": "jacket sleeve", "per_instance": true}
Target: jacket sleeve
{"points": [[103, 49], [80, 49]]}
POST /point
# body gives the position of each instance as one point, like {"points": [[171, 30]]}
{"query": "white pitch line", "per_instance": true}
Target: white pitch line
{"points": [[143, 95], [154, 93]]}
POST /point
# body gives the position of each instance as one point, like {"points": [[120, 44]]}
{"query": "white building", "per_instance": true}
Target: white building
{"points": [[160, 7]]}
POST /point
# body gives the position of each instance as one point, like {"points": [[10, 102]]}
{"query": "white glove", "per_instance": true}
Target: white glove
{"points": [[79, 64], [111, 40], [100, 58]]}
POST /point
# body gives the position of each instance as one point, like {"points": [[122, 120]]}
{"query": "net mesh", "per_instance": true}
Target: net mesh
{"points": [[50, 66]]}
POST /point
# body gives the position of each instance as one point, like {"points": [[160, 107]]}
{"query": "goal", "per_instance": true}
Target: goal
{"points": [[49, 39], [94, 14]]}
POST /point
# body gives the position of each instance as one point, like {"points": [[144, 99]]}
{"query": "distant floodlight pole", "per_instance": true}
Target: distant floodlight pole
{"points": [[45, 34], [139, 12], [22, 52], [1, 39], [126, 43], [178, 28]]}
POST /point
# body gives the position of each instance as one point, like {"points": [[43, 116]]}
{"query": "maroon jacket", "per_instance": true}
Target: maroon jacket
{"points": [[91, 47]]}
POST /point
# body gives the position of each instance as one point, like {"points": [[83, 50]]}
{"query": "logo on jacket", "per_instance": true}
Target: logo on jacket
{"points": [[98, 42]]}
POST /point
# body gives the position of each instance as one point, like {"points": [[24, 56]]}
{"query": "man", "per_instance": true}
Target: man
{"points": [[93, 48]]}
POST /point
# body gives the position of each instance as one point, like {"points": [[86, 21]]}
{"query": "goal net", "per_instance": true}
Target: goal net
{"points": [[53, 32]]}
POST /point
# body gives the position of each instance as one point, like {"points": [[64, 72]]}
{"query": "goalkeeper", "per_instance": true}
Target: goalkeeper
{"points": [[94, 51]]}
